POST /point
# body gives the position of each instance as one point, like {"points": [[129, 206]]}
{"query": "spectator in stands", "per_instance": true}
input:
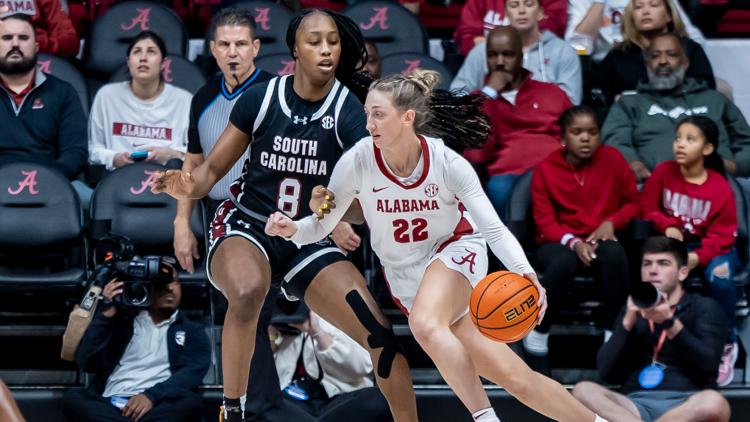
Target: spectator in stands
{"points": [[55, 33], [625, 64], [666, 356], [374, 65], [689, 199], [45, 114], [147, 365], [581, 197], [234, 47], [324, 371], [546, 56], [524, 114], [479, 16], [642, 124], [594, 25], [144, 114]]}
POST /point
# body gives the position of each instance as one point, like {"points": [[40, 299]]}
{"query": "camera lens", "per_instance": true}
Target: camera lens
{"points": [[644, 295], [135, 294]]}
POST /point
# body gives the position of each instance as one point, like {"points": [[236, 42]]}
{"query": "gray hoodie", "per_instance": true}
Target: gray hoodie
{"points": [[561, 66]]}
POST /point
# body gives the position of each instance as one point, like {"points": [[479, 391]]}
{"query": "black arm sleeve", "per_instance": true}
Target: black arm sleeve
{"points": [[352, 124], [701, 346]]}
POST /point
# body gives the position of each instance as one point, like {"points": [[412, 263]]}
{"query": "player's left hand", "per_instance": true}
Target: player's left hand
{"points": [[322, 201], [542, 303], [345, 238], [137, 406], [279, 224]]}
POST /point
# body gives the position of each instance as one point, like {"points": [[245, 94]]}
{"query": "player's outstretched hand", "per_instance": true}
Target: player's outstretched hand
{"points": [[322, 201], [175, 183], [542, 303], [279, 224]]}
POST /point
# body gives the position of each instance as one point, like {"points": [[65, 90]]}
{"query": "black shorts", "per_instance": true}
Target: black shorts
{"points": [[292, 267]]}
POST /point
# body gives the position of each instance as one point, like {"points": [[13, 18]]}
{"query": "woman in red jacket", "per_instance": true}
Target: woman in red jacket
{"points": [[689, 199], [581, 196]]}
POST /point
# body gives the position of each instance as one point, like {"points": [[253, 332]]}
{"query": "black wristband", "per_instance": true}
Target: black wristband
{"points": [[105, 304], [666, 324]]}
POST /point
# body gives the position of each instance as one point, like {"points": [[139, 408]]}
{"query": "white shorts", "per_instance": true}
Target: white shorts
{"points": [[466, 255]]}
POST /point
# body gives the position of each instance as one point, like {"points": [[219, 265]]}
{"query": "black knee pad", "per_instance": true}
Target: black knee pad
{"points": [[380, 336]]}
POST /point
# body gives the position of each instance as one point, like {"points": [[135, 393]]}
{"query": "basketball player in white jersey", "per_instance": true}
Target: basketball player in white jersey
{"points": [[415, 193]]}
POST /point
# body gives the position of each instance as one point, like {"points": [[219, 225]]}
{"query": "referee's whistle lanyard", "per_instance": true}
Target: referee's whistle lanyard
{"points": [[652, 375]]}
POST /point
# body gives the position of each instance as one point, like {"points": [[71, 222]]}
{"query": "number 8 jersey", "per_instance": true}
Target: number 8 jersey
{"points": [[294, 144]]}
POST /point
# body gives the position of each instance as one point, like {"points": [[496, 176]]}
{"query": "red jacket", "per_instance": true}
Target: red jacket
{"points": [[525, 133], [577, 203], [54, 30], [479, 16], [706, 211]]}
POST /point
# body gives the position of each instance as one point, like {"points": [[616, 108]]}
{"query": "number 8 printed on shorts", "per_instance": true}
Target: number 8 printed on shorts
{"points": [[289, 192]]}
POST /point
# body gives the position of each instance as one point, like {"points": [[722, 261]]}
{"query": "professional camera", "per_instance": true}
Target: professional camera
{"points": [[645, 295], [141, 276]]}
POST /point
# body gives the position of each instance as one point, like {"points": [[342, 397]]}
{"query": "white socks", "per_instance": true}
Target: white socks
{"points": [[485, 415], [599, 419], [536, 343]]}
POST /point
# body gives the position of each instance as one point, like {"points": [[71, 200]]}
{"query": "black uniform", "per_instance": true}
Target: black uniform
{"points": [[294, 146]]}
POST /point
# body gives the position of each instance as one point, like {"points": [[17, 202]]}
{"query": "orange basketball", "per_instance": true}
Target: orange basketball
{"points": [[503, 306]]}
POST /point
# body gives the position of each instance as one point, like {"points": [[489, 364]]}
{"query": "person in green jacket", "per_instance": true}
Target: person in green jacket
{"points": [[641, 125]]}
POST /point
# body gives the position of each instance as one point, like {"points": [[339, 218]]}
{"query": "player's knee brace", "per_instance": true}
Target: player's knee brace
{"points": [[379, 337]]}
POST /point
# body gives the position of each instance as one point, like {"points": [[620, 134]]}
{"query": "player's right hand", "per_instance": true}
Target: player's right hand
{"points": [[279, 224], [322, 201], [185, 246], [175, 183]]}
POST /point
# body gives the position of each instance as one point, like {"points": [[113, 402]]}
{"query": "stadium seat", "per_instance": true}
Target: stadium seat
{"points": [[404, 63], [41, 230], [111, 33], [393, 28], [177, 71], [276, 64], [271, 20], [63, 69], [123, 204]]}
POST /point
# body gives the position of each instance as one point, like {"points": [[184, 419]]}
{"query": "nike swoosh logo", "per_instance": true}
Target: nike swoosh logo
{"points": [[378, 190]]}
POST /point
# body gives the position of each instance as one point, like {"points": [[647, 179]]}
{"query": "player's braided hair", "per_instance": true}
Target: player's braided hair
{"points": [[353, 52], [458, 120]]}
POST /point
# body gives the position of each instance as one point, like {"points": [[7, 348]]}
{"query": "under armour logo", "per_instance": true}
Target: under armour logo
{"points": [[467, 258], [287, 69], [166, 70], [298, 120], [381, 18], [142, 19], [411, 65], [28, 182], [327, 122], [262, 18], [146, 183], [44, 66]]}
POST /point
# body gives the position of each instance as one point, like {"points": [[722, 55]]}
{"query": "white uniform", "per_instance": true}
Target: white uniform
{"points": [[418, 219]]}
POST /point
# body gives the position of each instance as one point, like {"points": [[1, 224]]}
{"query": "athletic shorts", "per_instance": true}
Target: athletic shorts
{"points": [[293, 268], [653, 404], [467, 255]]}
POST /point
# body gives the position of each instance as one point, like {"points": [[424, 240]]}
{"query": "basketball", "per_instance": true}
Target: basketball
{"points": [[503, 306]]}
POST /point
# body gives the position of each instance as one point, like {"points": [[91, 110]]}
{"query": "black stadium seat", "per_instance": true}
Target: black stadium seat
{"points": [[41, 230], [392, 27], [111, 33], [404, 63], [177, 71], [276, 64], [271, 21], [63, 69], [124, 204]]}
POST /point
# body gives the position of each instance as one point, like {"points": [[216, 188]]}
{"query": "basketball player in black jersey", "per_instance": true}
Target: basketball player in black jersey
{"points": [[296, 128]]}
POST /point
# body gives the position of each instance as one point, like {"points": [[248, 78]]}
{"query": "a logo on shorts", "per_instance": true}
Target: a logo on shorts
{"points": [[468, 258], [327, 122], [431, 190], [179, 338]]}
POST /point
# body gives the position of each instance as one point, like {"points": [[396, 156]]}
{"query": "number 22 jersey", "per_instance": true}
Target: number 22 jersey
{"points": [[295, 144]]}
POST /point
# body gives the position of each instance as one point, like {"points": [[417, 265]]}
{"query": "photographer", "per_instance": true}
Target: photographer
{"points": [[323, 371], [665, 350], [147, 363]]}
